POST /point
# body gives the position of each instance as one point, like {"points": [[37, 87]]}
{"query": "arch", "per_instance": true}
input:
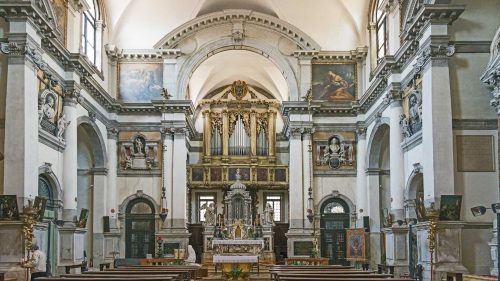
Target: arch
{"points": [[246, 17], [333, 197], [135, 202], [96, 139], [138, 195], [227, 43], [415, 180], [57, 194], [375, 142]]}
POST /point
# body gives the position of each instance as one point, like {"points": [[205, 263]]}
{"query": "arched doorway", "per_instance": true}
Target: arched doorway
{"points": [[335, 220], [139, 228], [48, 190]]}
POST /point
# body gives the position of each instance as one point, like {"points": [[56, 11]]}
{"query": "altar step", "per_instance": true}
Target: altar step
{"points": [[263, 269]]}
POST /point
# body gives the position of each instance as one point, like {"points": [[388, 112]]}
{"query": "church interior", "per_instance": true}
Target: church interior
{"points": [[249, 140]]}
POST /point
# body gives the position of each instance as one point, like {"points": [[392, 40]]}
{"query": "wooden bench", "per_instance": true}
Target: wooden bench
{"points": [[184, 274], [104, 265], [186, 270], [82, 267], [332, 278], [175, 277], [306, 261], [110, 278]]}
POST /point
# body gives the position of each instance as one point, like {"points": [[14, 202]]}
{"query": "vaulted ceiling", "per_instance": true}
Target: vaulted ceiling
{"points": [[336, 25]]}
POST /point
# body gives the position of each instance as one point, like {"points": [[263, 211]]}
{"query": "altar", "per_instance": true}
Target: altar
{"points": [[236, 235]]}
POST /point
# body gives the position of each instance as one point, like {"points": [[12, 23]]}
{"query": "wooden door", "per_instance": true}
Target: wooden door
{"points": [[139, 229], [334, 222]]}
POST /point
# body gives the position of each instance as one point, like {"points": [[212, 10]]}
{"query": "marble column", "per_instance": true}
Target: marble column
{"points": [[361, 180], [437, 131], [111, 207], [70, 174], [372, 27], [396, 155], [21, 112], [179, 214], [167, 178], [307, 180], [296, 182]]}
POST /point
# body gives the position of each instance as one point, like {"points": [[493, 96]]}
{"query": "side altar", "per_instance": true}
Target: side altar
{"points": [[236, 235]]}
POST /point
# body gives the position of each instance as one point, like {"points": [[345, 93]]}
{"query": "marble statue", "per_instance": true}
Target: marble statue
{"points": [[62, 124], [191, 255], [138, 146], [334, 146], [210, 214], [47, 110], [268, 214], [405, 126]]}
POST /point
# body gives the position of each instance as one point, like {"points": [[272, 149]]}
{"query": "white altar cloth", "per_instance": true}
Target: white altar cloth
{"points": [[235, 259], [238, 242]]}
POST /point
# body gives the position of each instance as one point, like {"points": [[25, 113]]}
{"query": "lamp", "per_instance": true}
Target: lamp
{"points": [[310, 206], [481, 210], [163, 201]]}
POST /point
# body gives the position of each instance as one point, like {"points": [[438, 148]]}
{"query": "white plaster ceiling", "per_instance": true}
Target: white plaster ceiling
{"points": [[226, 67], [336, 25]]}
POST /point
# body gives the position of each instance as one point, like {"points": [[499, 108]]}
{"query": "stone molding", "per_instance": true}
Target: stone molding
{"points": [[114, 53], [51, 141], [246, 17], [112, 133], [411, 142], [475, 124]]}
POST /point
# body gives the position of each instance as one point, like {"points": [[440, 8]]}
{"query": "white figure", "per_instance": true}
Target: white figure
{"points": [[138, 145], [269, 214], [191, 255], [47, 110], [209, 214], [62, 124]]}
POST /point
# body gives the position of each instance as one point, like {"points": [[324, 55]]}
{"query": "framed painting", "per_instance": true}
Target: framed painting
{"points": [[334, 81], [450, 208], [140, 82], [84, 215], [356, 244], [8, 207], [39, 206]]}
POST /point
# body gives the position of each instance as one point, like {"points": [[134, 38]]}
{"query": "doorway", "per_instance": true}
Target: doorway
{"points": [[139, 228], [335, 220]]}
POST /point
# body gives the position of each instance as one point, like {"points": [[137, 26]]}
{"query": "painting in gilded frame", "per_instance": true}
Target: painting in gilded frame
{"points": [[334, 81], [450, 207], [356, 244], [140, 82], [8, 207]]}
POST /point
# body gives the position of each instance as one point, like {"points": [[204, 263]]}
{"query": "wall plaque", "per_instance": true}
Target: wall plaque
{"points": [[302, 248], [475, 153]]}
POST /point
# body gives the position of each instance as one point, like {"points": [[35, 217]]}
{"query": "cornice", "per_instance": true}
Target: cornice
{"points": [[171, 106], [114, 53], [247, 17], [51, 140], [318, 108], [433, 13], [68, 61], [475, 124]]}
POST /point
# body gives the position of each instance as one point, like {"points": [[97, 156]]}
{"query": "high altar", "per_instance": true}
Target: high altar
{"points": [[236, 235]]}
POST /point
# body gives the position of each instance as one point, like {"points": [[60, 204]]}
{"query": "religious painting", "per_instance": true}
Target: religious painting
{"points": [[82, 220], [197, 174], [262, 174], [140, 82], [450, 208], [244, 173], [60, 11], [356, 244], [334, 81], [215, 174], [280, 175], [8, 207], [39, 207]]}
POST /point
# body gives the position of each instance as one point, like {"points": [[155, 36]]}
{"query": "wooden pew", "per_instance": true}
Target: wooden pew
{"points": [[174, 277], [187, 271], [321, 278], [108, 278]]}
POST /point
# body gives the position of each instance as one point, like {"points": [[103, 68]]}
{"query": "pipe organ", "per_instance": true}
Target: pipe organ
{"points": [[239, 123]]}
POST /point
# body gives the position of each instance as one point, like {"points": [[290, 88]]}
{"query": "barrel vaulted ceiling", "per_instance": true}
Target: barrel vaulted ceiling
{"points": [[336, 25]]}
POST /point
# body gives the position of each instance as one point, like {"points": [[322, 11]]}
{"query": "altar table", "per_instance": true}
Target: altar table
{"points": [[229, 261]]}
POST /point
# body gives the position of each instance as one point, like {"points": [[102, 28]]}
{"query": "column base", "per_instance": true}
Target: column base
{"points": [[299, 236], [71, 246], [396, 244], [448, 252], [69, 215], [111, 246], [12, 249]]}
